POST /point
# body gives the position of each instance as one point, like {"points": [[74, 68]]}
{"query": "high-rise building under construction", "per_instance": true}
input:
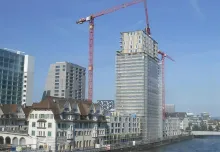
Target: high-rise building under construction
{"points": [[137, 81]]}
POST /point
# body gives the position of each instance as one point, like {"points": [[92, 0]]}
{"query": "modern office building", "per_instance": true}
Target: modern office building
{"points": [[170, 108], [16, 77], [137, 81], [66, 80]]}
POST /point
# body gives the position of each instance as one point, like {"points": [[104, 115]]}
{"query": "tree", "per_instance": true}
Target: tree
{"points": [[210, 128], [195, 128], [217, 128], [188, 128], [203, 126]]}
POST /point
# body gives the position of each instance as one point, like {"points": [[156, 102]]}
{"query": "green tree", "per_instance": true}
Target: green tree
{"points": [[210, 128], [195, 128], [217, 128]]}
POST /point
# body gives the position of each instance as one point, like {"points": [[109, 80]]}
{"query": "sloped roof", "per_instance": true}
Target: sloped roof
{"points": [[9, 108], [27, 110], [57, 105]]}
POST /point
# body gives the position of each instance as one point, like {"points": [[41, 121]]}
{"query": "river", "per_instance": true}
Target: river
{"points": [[206, 144]]}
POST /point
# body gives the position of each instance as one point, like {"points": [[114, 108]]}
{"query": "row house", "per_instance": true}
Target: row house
{"points": [[65, 124]]}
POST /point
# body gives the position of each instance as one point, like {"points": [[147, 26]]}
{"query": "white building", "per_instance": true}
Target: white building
{"points": [[171, 126], [137, 82], [28, 82], [53, 123], [66, 80], [175, 124], [122, 128]]}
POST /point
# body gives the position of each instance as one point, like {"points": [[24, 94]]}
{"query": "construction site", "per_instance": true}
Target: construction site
{"points": [[137, 119], [140, 74]]}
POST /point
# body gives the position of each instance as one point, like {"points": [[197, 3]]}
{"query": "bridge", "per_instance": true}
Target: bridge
{"points": [[205, 133]]}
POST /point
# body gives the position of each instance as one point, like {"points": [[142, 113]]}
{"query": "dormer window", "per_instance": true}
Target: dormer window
{"points": [[66, 109]]}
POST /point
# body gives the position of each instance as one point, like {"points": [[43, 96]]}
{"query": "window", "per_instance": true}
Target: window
{"points": [[35, 116], [49, 125], [57, 66], [33, 124], [33, 133], [49, 133], [51, 116], [31, 116]]}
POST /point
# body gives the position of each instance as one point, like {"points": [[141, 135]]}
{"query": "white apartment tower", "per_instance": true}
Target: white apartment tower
{"points": [[28, 81], [66, 80], [137, 81]]}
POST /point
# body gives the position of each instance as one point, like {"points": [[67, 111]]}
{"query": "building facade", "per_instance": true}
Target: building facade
{"points": [[16, 77], [171, 126], [137, 81], [122, 128], [66, 80], [170, 108], [53, 124]]}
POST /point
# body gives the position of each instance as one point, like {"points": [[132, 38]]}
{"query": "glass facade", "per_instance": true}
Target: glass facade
{"points": [[11, 77]]}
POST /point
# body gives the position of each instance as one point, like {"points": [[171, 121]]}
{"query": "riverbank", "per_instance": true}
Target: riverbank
{"points": [[140, 147]]}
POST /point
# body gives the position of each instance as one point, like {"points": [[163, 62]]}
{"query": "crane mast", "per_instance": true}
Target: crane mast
{"points": [[163, 56], [90, 19]]}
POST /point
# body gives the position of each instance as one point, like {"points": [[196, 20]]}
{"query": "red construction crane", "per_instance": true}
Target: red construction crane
{"points": [[90, 19], [163, 56]]}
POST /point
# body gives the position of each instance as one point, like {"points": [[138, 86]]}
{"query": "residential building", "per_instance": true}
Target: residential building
{"points": [[13, 120], [170, 108], [205, 116], [171, 126], [67, 123], [66, 80], [122, 128], [16, 77], [183, 119], [194, 119], [54, 121], [137, 81]]}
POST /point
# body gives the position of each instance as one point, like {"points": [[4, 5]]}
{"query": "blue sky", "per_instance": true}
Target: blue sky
{"points": [[187, 30]]}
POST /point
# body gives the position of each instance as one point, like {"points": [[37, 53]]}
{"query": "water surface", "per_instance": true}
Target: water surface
{"points": [[207, 144]]}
